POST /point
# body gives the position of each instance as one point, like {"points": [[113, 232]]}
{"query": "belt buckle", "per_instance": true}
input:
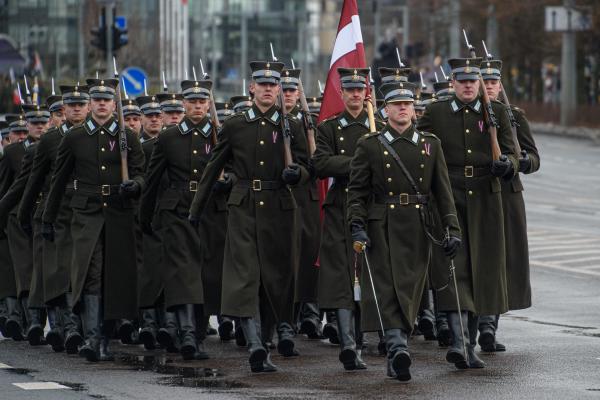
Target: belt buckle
{"points": [[403, 199], [257, 185], [193, 186], [105, 190], [469, 171]]}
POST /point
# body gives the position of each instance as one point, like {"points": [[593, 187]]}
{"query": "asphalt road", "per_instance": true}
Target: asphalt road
{"points": [[553, 347]]}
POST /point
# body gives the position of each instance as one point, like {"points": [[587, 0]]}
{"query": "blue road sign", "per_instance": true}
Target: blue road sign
{"points": [[133, 79], [121, 22]]}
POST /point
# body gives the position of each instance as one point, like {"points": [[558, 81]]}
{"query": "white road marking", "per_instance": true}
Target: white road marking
{"points": [[5, 366], [40, 386]]}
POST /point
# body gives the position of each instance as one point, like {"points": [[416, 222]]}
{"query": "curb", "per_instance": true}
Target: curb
{"points": [[576, 132]]}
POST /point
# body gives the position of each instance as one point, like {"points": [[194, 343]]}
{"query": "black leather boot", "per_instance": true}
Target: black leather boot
{"points": [[167, 335], [398, 357], [225, 328], [202, 321], [259, 361], [488, 325], [310, 323], [443, 331], [330, 330], [149, 328], [107, 330], [14, 323], [474, 361], [285, 343], [55, 336], [35, 330], [240, 339], [3, 317], [91, 318], [125, 331], [456, 353], [348, 356], [72, 326], [187, 331]]}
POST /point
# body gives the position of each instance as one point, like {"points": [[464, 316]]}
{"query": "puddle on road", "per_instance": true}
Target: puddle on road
{"points": [[186, 376], [19, 371]]}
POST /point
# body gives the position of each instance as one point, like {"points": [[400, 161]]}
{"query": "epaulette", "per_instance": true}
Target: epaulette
{"points": [[371, 135], [429, 134]]}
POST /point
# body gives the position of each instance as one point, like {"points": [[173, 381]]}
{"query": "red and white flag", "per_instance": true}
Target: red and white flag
{"points": [[348, 52]]}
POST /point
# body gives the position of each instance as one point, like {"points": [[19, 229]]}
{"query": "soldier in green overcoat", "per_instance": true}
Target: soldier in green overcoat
{"points": [[515, 221], [339, 265], [388, 202], [103, 270], [460, 124], [56, 254], [258, 270]]}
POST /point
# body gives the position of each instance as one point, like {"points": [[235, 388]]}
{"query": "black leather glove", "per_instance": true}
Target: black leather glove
{"points": [[223, 185], [451, 245], [48, 231], [502, 167], [524, 162], [291, 174], [194, 221], [359, 234], [130, 189], [147, 227], [26, 227]]}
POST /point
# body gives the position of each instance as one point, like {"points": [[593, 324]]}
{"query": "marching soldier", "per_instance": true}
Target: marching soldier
{"points": [[104, 261], [224, 111], [480, 264], [25, 247], [422, 101], [307, 198], [443, 90], [132, 115], [515, 223], [260, 245], [57, 111], [181, 153], [10, 166], [56, 254], [171, 106], [241, 103], [392, 176], [336, 142]]}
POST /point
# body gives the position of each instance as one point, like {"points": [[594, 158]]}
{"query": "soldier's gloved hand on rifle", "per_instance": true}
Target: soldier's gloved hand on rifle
{"points": [[130, 189], [524, 162], [291, 174], [193, 220], [451, 245], [223, 185], [359, 234], [502, 167], [26, 227], [48, 231]]}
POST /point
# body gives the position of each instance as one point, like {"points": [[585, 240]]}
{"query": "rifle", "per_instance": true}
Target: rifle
{"points": [[511, 117], [370, 112], [27, 92], [122, 133], [488, 112], [285, 124], [308, 123], [36, 91]]}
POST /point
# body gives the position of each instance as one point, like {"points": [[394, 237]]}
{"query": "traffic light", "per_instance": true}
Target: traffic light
{"points": [[120, 38], [99, 37]]}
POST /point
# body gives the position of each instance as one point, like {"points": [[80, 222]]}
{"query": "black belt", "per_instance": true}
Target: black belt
{"points": [[104, 190], [403, 199], [257, 185], [188, 186], [469, 171]]}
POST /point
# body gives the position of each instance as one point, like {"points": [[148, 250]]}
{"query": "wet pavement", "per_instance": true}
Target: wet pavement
{"points": [[553, 347]]}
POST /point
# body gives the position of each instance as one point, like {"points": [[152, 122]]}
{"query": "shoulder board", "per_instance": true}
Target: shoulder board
{"points": [[371, 135], [428, 134]]}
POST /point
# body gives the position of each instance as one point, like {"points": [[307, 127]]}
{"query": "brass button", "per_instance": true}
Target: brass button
{"points": [[339, 128], [466, 111], [342, 138], [346, 190], [195, 151], [103, 168], [195, 171], [102, 132], [262, 142], [469, 151], [466, 130], [422, 151], [195, 133], [422, 165], [388, 166], [417, 206], [391, 193], [420, 179], [262, 203], [470, 192], [422, 140], [342, 151], [392, 206], [103, 149], [262, 163], [385, 152], [104, 205], [262, 122], [389, 179]]}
